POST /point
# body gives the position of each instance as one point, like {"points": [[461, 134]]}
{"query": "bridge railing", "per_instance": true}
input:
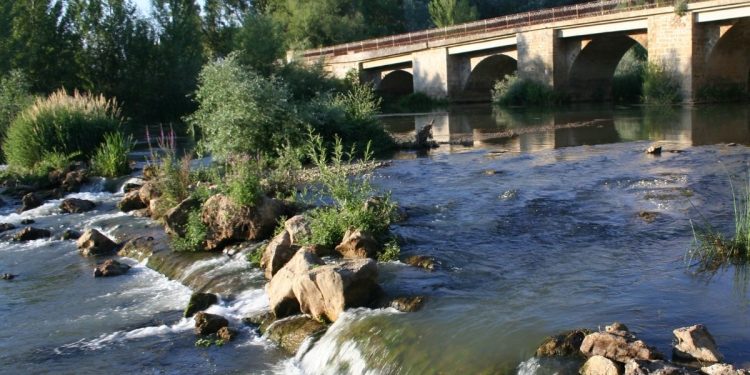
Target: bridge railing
{"points": [[507, 22]]}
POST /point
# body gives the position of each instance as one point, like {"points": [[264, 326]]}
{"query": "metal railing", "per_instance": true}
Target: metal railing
{"points": [[508, 22]]}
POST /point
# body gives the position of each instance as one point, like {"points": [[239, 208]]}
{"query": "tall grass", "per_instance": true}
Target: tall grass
{"points": [[660, 85], [515, 91], [111, 158], [60, 123]]}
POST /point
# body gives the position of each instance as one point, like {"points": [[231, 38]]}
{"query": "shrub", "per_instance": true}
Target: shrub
{"points": [[195, 234], [308, 82], [722, 92], [243, 181], [515, 91], [242, 113], [660, 86], [60, 123], [415, 102], [390, 252], [111, 158], [14, 97], [627, 83], [173, 174]]}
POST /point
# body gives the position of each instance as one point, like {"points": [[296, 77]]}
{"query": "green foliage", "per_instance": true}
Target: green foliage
{"points": [[415, 102], [307, 82], [660, 86], [285, 174], [111, 158], [241, 112], [195, 234], [260, 57], [208, 342], [60, 123], [353, 205], [14, 97], [446, 13], [243, 181], [680, 7], [391, 251], [254, 256], [514, 91], [627, 84], [722, 92]]}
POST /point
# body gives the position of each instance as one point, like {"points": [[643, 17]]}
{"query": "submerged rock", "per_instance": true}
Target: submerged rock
{"points": [[75, 205], [110, 268], [617, 345], [199, 302], [138, 248], [206, 324], [176, 218], [291, 332], [278, 252], [93, 242], [73, 180], [654, 150], [131, 202], [4, 227], [28, 221], [228, 222], [8, 276], [298, 227], [358, 244], [599, 365], [564, 344], [261, 320], [421, 261], [31, 234], [70, 234], [226, 334], [647, 216], [723, 369], [644, 367], [29, 201], [407, 304], [695, 343], [280, 291]]}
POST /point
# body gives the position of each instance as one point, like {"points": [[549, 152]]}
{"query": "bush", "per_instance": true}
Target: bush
{"points": [[627, 83], [241, 112], [415, 102], [722, 92], [173, 176], [195, 234], [308, 82], [14, 97], [514, 91], [243, 181], [660, 86], [60, 123], [111, 158]]}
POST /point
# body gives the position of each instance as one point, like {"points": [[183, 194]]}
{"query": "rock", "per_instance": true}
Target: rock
{"points": [[153, 208], [619, 346], [407, 304], [148, 192], [654, 150], [175, 220], [199, 302], [73, 180], [357, 245], [31, 234], [133, 184], [261, 320], [280, 291], [298, 228], [8, 276], [616, 327], [4, 227], [27, 221], [644, 367], [226, 334], [29, 201], [326, 291], [144, 212], [278, 252], [647, 216], [598, 365], [139, 248], [564, 344], [110, 268], [695, 344], [70, 234], [150, 172], [723, 369], [93, 242], [423, 138], [131, 201], [421, 261], [75, 205], [228, 222], [206, 324], [291, 332]]}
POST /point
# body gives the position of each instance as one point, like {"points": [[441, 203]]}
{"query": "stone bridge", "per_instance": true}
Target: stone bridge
{"points": [[574, 49]]}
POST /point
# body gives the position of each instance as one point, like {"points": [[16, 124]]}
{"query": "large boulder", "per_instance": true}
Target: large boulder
{"points": [[358, 244], [4, 227], [226, 334], [564, 344], [199, 302], [229, 222], [644, 367], [291, 332], [723, 369], [93, 242], [260, 320], [421, 261], [325, 292], [407, 304], [695, 344], [31, 233], [29, 201], [278, 252], [599, 365], [206, 324], [298, 227], [75, 205], [175, 220], [131, 202], [617, 345], [73, 180], [280, 291], [147, 192], [110, 268]]}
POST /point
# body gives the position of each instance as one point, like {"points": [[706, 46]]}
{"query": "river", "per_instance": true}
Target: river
{"points": [[533, 218]]}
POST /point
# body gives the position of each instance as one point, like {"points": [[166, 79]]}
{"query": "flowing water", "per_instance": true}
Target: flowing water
{"points": [[532, 217]]}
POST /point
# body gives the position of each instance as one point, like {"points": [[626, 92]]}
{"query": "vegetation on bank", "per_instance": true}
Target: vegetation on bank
{"points": [[411, 103], [660, 85], [515, 91]]}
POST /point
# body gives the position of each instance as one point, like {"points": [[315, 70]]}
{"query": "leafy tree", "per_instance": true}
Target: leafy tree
{"points": [[260, 43], [221, 21], [451, 12]]}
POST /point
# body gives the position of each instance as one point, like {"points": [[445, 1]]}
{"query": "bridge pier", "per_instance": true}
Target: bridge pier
{"points": [[673, 42], [537, 51]]}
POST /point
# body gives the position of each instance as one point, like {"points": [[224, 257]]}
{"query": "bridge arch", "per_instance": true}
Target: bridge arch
{"points": [[727, 66], [396, 83], [592, 71], [485, 73]]}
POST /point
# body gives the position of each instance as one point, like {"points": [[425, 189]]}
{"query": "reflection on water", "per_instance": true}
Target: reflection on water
{"points": [[522, 130]]}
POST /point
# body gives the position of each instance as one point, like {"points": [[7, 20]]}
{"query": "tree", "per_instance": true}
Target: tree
{"points": [[222, 20], [451, 12], [260, 43]]}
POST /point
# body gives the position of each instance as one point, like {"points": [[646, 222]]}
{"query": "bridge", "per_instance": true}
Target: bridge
{"points": [[574, 49]]}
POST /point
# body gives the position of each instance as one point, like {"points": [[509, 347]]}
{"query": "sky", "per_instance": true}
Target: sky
{"points": [[143, 5]]}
